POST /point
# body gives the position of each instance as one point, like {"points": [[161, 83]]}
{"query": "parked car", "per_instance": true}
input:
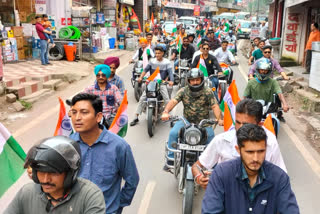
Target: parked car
{"points": [[245, 30], [169, 25], [229, 16], [187, 20], [242, 15]]}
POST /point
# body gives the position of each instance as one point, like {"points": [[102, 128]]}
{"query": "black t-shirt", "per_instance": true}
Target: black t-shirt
{"points": [[212, 64], [186, 53]]}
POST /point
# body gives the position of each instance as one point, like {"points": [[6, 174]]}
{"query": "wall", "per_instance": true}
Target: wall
{"points": [[60, 9]]}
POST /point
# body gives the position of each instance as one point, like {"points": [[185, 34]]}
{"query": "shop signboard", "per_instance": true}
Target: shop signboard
{"points": [[129, 2], [255, 32], [196, 10], [41, 7], [145, 10]]}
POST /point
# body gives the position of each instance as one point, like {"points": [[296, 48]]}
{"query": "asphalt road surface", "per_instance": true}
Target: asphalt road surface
{"points": [[157, 191]]}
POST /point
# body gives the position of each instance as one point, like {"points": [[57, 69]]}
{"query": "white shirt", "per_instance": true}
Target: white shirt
{"points": [[222, 148], [136, 55], [223, 56], [197, 53]]}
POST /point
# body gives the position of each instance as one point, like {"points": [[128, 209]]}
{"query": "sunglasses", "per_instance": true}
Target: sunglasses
{"points": [[100, 75], [266, 52], [205, 48]]}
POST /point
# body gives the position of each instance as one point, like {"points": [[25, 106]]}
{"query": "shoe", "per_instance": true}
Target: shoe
{"points": [[134, 122], [44, 64], [281, 118], [305, 72], [49, 63]]}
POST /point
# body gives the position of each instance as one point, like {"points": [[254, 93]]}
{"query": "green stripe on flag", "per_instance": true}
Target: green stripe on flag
{"points": [[123, 131], [11, 164], [222, 106], [204, 70]]}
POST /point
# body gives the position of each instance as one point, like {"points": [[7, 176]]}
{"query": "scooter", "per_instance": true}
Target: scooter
{"points": [[191, 143]]}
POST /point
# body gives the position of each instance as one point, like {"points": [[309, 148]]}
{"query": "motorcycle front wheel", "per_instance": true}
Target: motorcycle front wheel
{"points": [[150, 122], [222, 91], [137, 90], [188, 197]]}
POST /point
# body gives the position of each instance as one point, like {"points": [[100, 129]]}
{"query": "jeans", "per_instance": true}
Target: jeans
{"points": [[173, 135], [44, 51], [48, 36], [308, 60], [215, 83]]}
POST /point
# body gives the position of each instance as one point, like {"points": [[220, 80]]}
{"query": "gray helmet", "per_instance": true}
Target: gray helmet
{"points": [[264, 64], [57, 155], [193, 74]]}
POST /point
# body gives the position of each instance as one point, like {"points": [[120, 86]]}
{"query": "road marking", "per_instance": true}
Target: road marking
{"points": [[144, 205], [305, 153], [298, 144]]}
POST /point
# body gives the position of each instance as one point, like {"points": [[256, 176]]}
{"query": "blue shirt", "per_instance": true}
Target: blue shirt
{"points": [[105, 163], [117, 81]]}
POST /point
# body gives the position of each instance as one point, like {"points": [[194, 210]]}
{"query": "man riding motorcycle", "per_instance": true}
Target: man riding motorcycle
{"points": [[110, 95], [143, 45], [166, 75], [197, 101], [231, 38], [262, 87], [187, 51], [223, 54], [114, 63]]}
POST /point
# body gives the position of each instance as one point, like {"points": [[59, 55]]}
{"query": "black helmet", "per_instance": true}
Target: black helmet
{"points": [[57, 155], [192, 74]]}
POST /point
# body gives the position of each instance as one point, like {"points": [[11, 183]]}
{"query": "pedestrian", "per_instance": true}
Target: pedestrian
{"points": [[249, 184], [106, 158], [110, 94], [44, 46], [313, 37], [222, 147], [114, 63], [55, 165]]}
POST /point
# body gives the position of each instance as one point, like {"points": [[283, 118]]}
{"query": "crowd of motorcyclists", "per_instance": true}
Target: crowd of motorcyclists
{"points": [[241, 169]]}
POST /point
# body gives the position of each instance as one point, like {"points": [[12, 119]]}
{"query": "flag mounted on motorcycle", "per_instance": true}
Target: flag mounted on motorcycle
{"points": [[64, 126], [155, 75], [228, 106], [119, 125]]}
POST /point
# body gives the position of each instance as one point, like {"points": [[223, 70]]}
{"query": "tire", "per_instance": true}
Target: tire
{"points": [[136, 91], [150, 122], [56, 52], [275, 126], [187, 201], [222, 91]]}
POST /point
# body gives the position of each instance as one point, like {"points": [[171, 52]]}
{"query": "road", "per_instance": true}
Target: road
{"points": [[157, 191]]}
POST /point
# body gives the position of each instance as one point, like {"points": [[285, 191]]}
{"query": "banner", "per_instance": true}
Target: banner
{"points": [[196, 10]]}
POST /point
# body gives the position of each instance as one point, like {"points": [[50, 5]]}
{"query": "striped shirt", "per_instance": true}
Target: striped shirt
{"points": [[117, 81], [164, 66], [110, 96]]}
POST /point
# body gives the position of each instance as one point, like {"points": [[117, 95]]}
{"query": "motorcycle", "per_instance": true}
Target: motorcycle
{"points": [[180, 75], [155, 105], [191, 143], [107, 121], [138, 87], [273, 108]]}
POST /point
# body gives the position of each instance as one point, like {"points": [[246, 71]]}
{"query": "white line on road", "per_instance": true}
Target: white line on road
{"points": [[144, 205]]}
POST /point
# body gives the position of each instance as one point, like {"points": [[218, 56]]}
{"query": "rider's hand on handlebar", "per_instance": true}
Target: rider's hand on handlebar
{"points": [[170, 83], [220, 122], [285, 108], [165, 116], [203, 180], [140, 80]]}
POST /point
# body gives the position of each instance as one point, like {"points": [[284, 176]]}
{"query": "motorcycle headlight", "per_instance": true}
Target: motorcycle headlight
{"points": [[151, 94], [192, 136]]}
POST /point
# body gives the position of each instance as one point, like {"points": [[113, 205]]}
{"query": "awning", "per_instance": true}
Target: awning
{"points": [[129, 2], [290, 3]]}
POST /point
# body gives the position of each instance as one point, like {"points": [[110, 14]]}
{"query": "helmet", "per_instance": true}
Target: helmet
{"points": [[56, 155], [195, 89], [264, 64]]}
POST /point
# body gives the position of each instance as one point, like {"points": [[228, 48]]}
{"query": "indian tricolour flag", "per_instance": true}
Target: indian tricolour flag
{"points": [[228, 105], [199, 41], [119, 125], [179, 44], [155, 75], [202, 66], [11, 160], [64, 126]]}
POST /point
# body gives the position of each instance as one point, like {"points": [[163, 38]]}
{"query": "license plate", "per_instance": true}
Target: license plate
{"points": [[193, 148]]}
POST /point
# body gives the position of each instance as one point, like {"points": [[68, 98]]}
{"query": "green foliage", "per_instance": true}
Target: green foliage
{"points": [[287, 62], [26, 104]]}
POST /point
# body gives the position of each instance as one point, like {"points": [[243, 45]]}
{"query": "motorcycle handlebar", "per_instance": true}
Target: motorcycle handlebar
{"points": [[201, 124]]}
